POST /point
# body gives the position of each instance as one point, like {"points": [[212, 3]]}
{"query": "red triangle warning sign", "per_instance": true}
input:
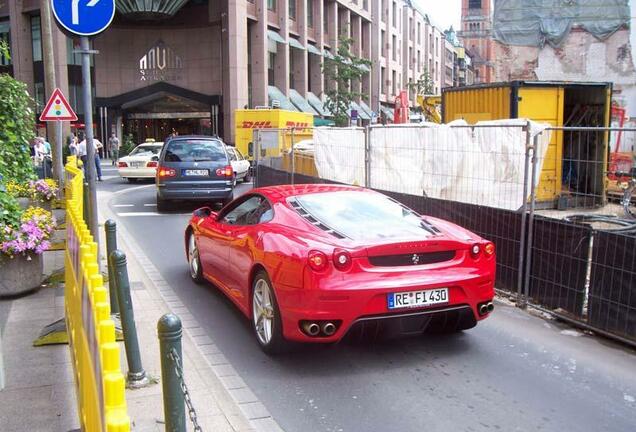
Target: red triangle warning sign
{"points": [[58, 108]]}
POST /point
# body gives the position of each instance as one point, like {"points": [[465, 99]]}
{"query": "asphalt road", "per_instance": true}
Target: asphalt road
{"points": [[513, 372]]}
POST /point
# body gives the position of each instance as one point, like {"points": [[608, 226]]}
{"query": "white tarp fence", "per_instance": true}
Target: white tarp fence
{"points": [[480, 165]]}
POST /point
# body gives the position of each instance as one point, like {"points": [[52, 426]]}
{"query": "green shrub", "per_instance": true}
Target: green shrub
{"points": [[127, 146], [18, 124]]}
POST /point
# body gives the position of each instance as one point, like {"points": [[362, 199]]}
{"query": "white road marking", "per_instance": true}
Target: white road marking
{"points": [[150, 205], [135, 214], [123, 205]]}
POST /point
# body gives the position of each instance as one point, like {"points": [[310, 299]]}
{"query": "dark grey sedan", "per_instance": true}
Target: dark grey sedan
{"points": [[194, 168]]}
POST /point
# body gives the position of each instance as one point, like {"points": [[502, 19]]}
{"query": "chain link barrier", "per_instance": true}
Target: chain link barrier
{"points": [[174, 357]]}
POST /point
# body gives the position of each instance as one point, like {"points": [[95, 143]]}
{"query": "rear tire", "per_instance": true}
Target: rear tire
{"points": [[162, 205], [194, 260], [248, 177], [266, 319]]}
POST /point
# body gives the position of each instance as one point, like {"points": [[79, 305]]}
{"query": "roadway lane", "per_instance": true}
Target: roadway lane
{"points": [[514, 372]]}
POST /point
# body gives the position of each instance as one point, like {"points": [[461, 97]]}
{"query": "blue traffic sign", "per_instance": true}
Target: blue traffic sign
{"points": [[84, 17]]}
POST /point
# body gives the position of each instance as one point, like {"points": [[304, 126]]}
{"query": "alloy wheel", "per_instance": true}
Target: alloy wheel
{"points": [[263, 311]]}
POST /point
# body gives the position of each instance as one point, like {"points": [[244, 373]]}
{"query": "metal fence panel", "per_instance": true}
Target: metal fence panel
{"points": [[612, 299], [558, 272]]}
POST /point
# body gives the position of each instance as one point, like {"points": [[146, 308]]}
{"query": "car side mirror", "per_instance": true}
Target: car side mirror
{"points": [[250, 148], [204, 212]]}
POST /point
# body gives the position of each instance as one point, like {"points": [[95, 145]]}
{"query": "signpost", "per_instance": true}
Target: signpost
{"points": [[86, 18], [58, 109]]}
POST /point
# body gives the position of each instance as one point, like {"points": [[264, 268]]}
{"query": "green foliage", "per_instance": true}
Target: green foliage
{"points": [[18, 124], [10, 210], [127, 146], [5, 51], [342, 70], [424, 85]]}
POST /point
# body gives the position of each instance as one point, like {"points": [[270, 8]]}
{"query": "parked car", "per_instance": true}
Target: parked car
{"points": [[311, 263], [195, 168], [140, 163], [240, 165]]}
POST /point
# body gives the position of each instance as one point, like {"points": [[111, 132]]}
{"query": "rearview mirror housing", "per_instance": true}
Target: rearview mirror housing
{"points": [[204, 212]]}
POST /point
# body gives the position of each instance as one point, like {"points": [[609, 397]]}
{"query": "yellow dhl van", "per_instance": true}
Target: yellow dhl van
{"points": [[247, 120]]}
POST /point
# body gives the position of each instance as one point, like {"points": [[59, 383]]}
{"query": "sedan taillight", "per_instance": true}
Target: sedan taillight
{"points": [[152, 164], [122, 165], [166, 172], [225, 172]]}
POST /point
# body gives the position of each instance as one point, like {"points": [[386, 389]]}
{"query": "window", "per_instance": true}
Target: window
{"points": [[270, 68], [36, 38], [394, 47], [231, 154], [253, 210], [363, 216], [474, 4], [410, 59], [195, 150], [325, 21], [419, 33], [310, 13], [271, 5], [383, 43], [39, 96], [393, 83], [292, 9], [5, 35], [382, 79], [419, 61], [146, 150], [394, 14]]}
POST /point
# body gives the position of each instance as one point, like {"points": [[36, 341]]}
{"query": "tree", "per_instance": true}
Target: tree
{"points": [[342, 70], [424, 85]]}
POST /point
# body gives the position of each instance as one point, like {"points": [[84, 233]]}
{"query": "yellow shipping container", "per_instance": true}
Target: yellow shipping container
{"points": [[546, 102], [246, 120]]}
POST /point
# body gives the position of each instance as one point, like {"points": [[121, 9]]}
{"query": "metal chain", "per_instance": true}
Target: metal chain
{"points": [[174, 356]]}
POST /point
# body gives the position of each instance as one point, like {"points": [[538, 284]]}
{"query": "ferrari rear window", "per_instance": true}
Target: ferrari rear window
{"points": [[364, 216]]}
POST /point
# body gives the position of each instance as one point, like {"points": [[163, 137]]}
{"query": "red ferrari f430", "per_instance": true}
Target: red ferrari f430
{"points": [[312, 263]]}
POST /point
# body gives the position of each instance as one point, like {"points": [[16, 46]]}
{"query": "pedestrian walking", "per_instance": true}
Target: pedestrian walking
{"points": [[113, 147]]}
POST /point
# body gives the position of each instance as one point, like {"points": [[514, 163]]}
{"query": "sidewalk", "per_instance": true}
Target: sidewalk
{"points": [[39, 391]]}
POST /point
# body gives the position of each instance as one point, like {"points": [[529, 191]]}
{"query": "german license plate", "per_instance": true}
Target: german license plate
{"points": [[136, 164], [195, 172], [414, 299]]}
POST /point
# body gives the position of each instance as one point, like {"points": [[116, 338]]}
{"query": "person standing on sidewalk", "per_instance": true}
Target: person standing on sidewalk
{"points": [[113, 147], [83, 155]]}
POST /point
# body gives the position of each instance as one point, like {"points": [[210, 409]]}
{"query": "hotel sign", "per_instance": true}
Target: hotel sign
{"points": [[160, 63]]}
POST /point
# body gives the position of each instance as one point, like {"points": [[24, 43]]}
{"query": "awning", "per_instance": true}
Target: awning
{"points": [[361, 113], [328, 54], [273, 93], [366, 108], [312, 49], [387, 113], [271, 34], [295, 43], [317, 104], [300, 102]]}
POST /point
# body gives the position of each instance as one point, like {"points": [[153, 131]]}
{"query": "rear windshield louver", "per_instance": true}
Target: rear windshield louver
{"points": [[312, 220], [412, 259]]}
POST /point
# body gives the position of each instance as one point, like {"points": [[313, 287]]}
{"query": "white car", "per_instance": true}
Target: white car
{"points": [[141, 162], [240, 165]]}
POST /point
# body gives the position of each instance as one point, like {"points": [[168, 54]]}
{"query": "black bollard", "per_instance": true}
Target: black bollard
{"points": [[111, 245], [169, 332]]}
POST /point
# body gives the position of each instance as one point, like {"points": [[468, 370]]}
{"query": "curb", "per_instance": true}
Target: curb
{"points": [[237, 391]]}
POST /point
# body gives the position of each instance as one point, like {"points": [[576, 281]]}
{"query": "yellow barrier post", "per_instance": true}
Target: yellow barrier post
{"points": [[100, 385]]}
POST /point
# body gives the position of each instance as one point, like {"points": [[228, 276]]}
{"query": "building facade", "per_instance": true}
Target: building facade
{"points": [[476, 36], [187, 71]]}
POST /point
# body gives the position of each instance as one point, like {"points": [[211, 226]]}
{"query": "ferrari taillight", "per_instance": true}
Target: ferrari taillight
{"points": [[317, 260], [489, 249], [122, 165], [166, 172], [342, 260], [475, 250]]}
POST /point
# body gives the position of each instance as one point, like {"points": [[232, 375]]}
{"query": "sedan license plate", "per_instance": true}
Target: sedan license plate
{"points": [[136, 164], [414, 299], [195, 172]]}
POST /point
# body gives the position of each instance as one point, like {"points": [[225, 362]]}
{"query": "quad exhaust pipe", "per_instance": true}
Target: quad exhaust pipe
{"points": [[328, 328], [486, 308], [311, 328]]}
